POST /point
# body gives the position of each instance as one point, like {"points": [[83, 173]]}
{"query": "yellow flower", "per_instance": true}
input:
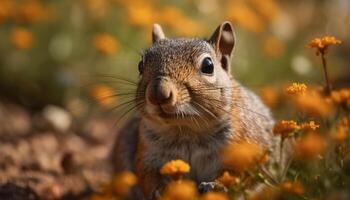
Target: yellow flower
{"points": [[310, 146], [285, 127], [293, 187], [227, 179], [103, 94], [105, 44], [180, 190], [122, 182], [296, 88], [22, 38], [310, 126], [175, 168], [214, 196], [322, 44], [242, 156]]}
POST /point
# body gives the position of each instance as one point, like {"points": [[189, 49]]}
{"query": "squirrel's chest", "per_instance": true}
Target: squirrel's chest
{"points": [[202, 155]]}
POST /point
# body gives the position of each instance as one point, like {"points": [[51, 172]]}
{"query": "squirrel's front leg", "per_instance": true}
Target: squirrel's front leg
{"points": [[151, 183]]}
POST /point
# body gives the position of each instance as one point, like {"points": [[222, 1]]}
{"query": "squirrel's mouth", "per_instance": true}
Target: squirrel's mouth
{"points": [[180, 112], [176, 115]]}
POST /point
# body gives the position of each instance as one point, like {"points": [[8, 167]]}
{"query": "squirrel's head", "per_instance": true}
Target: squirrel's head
{"points": [[186, 82]]}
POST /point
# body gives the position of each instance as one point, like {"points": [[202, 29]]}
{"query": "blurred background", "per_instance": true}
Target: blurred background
{"points": [[52, 51], [62, 63]]}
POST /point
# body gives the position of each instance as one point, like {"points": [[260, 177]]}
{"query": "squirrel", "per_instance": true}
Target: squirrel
{"points": [[189, 107]]}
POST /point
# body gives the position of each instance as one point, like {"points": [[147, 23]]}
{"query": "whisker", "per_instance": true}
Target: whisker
{"points": [[128, 111], [205, 109], [235, 104], [121, 79], [123, 104]]}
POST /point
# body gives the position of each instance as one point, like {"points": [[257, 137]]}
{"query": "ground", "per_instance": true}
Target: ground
{"points": [[41, 158]]}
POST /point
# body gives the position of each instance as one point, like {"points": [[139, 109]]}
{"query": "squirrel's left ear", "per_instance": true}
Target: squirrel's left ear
{"points": [[157, 33], [223, 40]]}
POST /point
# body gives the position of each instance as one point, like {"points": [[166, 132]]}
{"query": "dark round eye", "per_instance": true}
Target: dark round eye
{"points": [[207, 66], [140, 66]]}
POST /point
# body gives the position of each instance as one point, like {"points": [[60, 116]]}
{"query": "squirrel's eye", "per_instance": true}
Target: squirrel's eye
{"points": [[207, 66], [140, 67]]}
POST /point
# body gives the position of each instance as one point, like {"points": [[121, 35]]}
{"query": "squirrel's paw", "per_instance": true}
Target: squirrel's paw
{"points": [[154, 196], [204, 187]]}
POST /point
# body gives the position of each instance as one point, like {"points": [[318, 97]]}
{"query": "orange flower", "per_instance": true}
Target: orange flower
{"points": [[339, 135], [102, 197], [269, 95], [268, 9], [175, 168], [340, 96], [264, 193], [214, 196], [180, 190], [22, 38], [103, 94], [296, 88], [310, 146], [106, 44], [123, 182], [265, 158], [227, 179], [141, 14], [273, 47], [285, 127], [31, 11], [293, 187], [242, 156], [183, 25], [244, 16], [313, 104], [6, 9], [310, 126], [322, 44], [96, 8]]}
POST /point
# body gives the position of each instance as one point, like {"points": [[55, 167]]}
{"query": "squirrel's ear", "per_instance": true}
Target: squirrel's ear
{"points": [[157, 33], [223, 38]]}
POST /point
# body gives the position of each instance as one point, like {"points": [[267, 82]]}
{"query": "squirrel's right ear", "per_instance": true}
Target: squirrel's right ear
{"points": [[223, 40], [157, 33]]}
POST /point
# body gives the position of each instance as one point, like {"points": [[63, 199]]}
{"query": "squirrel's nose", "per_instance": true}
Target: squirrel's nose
{"points": [[160, 91]]}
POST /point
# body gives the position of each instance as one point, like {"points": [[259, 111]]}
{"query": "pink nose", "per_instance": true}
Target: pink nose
{"points": [[160, 91]]}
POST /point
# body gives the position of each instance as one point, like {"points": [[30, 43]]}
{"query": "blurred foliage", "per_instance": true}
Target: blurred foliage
{"points": [[51, 51]]}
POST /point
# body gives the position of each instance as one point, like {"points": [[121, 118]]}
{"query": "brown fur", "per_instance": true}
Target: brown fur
{"points": [[202, 115]]}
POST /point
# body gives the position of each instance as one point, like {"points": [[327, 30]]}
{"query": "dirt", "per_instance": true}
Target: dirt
{"points": [[51, 154]]}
